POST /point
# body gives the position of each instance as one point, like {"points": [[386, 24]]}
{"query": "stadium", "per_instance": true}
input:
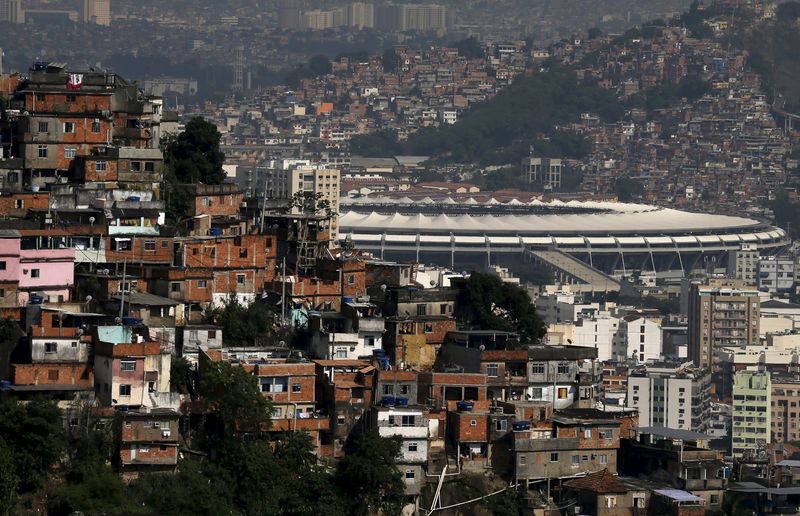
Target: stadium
{"points": [[607, 236]]}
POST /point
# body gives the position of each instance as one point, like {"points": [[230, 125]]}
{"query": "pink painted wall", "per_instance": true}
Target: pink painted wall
{"points": [[56, 268], [9, 253]]}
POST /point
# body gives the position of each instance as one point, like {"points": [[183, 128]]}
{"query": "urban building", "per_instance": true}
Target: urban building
{"points": [[721, 314], [545, 172], [776, 274], [743, 263], [751, 425]]}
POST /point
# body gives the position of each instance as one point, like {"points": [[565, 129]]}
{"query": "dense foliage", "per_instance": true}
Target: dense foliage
{"points": [[489, 303]]}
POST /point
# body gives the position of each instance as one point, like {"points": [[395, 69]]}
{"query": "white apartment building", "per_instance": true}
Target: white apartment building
{"points": [[743, 264], [410, 424], [671, 396], [776, 274], [639, 338]]}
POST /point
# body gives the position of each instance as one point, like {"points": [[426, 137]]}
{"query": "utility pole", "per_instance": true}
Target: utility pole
{"points": [[122, 289], [283, 293]]}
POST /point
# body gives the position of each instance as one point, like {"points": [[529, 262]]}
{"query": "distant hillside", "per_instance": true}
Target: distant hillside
{"points": [[502, 129]]}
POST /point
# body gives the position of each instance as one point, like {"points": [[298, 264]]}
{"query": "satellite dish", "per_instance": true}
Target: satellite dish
{"points": [[91, 220], [482, 347], [89, 298], [433, 283], [383, 287]]}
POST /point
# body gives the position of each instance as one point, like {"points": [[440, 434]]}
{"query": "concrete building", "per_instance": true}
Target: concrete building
{"points": [[361, 15], [410, 425], [638, 338], [542, 171], [565, 376], [752, 419], [11, 11], [776, 274], [97, 12], [674, 396], [743, 263], [721, 314], [784, 410]]}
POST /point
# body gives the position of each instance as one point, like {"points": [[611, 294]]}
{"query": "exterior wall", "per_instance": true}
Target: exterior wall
{"points": [[140, 250], [785, 410], [640, 338], [52, 374], [67, 348]]}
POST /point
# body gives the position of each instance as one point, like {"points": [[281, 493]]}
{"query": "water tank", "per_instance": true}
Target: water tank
{"points": [[36, 299], [378, 353], [215, 231], [5, 384], [347, 299], [521, 426], [388, 401], [134, 198], [132, 321], [401, 402], [464, 406]]}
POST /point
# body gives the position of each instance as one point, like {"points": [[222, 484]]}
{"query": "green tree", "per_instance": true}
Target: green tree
{"points": [[35, 437], [181, 375], [510, 502], [469, 48], [194, 155], [233, 403], [8, 479], [244, 325], [370, 477], [197, 488], [788, 11], [489, 303], [390, 60], [594, 33]]}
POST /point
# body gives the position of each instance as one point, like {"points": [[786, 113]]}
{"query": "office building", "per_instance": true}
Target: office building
{"points": [[751, 423], [776, 274], [289, 14], [361, 15], [784, 411], [721, 314], [676, 396]]}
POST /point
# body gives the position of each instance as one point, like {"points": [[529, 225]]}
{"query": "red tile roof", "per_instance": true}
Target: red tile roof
{"points": [[601, 482]]}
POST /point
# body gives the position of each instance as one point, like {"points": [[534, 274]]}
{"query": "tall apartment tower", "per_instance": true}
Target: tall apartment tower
{"points": [[11, 11], [289, 14], [238, 70], [743, 263], [751, 421], [361, 15], [722, 313], [97, 12], [542, 171], [671, 396]]}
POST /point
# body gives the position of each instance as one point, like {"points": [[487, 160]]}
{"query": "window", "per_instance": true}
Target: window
{"points": [[100, 166], [412, 447], [587, 433], [202, 283], [144, 449], [127, 365], [96, 126], [125, 390], [563, 368], [42, 151], [523, 460], [554, 457], [273, 384], [276, 412], [562, 393], [149, 166], [136, 166], [603, 459], [212, 334], [611, 502], [43, 127], [443, 309], [296, 387], [341, 353], [69, 152], [473, 422], [52, 375], [2, 265], [491, 370], [69, 127], [537, 368], [240, 279], [175, 286], [714, 499], [71, 98], [422, 309], [576, 460], [35, 273], [40, 97], [164, 244], [351, 279], [408, 420], [50, 347], [410, 474], [501, 425], [149, 245]]}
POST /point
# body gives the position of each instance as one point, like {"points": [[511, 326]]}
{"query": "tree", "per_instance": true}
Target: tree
{"points": [[197, 488], [8, 479], [233, 403], [489, 303], [469, 48], [389, 60], [628, 189], [370, 477], [194, 155], [181, 376], [34, 435], [244, 325], [594, 33], [319, 65], [10, 333], [788, 11]]}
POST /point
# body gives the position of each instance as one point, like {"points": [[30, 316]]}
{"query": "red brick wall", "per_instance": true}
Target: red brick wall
{"points": [[91, 173], [52, 374], [162, 253], [8, 204], [57, 102], [154, 455], [220, 204], [462, 429]]}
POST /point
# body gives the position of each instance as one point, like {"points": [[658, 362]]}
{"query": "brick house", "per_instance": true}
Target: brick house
{"points": [[437, 388], [146, 441], [414, 341]]}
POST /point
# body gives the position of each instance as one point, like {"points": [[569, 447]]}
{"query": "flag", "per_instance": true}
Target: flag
{"points": [[75, 81]]}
